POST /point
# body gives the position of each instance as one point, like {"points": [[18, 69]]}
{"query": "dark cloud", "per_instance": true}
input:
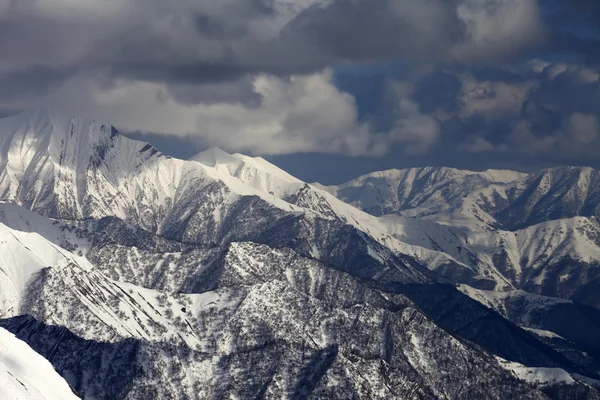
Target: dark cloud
{"points": [[552, 110], [240, 90], [430, 80], [30, 82], [206, 41], [438, 92]]}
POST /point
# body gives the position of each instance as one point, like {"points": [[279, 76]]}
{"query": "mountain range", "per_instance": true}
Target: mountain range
{"points": [[138, 275]]}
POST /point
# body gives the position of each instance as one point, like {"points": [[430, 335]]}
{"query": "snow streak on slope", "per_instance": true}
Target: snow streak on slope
{"points": [[24, 257], [545, 376], [25, 375]]}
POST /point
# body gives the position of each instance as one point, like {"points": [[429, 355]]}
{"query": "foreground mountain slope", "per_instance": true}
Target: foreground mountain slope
{"points": [[26, 375], [284, 325], [252, 301], [25, 256]]}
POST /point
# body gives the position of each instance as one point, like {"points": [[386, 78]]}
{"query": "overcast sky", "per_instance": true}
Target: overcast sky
{"points": [[327, 89]]}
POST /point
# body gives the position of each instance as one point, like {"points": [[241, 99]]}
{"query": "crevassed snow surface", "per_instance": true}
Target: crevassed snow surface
{"points": [[25, 375]]}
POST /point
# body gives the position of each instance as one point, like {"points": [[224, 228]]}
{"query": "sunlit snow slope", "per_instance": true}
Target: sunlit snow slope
{"points": [[138, 275], [25, 375]]}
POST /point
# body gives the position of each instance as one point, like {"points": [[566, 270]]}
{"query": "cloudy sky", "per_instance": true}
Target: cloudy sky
{"points": [[327, 89]]}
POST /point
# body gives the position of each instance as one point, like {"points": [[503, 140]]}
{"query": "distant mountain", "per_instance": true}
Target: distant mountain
{"points": [[556, 193], [416, 191], [138, 276], [538, 232]]}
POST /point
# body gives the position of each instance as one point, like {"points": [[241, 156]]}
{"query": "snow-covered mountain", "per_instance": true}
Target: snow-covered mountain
{"points": [[537, 232], [262, 316], [68, 168], [26, 375], [416, 191], [139, 275], [555, 193]]}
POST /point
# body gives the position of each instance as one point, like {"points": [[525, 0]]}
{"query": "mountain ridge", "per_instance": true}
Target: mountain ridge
{"points": [[225, 265]]}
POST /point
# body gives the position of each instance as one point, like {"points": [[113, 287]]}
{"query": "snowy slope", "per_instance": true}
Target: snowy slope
{"points": [[115, 176], [504, 229], [254, 298], [557, 258], [180, 278], [25, 375], [555, 193], [416, 191], [70, 168], [261, 175], [489, 199], [255, 172], [284, 325], [544, 376], [25, 255], [545, 316], [52, 284]]}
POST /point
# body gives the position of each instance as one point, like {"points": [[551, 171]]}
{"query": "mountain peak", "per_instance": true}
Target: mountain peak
{"points": [[214, 156], [43, 121]]}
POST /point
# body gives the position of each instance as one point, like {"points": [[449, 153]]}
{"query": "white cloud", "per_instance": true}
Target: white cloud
{"points": [[415, 131], [493, 99], [305, 113], [500, 27]]}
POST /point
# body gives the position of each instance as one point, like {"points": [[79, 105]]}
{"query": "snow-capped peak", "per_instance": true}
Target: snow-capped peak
{"points": [[255, 172], [215, 156]]}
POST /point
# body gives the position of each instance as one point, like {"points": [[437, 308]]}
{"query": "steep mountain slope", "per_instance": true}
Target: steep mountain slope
{"points": [[548, 247], [497, 199], [222, 276], [556, 258], [253, 171], [71, 168], [283, 324], [570, 328], [555, 193], [26, 375], [74, 169], [254, 300], [25, 256]]}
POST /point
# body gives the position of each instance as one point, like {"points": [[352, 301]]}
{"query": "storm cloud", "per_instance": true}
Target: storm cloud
{"points": [[285, 76]]}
